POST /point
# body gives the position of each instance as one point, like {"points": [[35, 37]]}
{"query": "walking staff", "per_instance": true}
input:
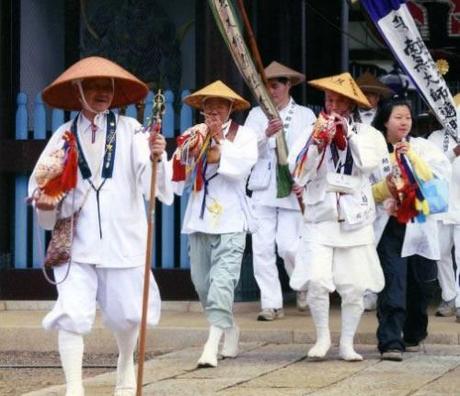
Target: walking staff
{"points": [[154, 128], [107, 250]]}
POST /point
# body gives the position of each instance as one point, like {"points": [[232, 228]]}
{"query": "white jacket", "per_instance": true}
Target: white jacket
{"points": [[226, 207], [453, 215], [420, 238], [300, 125], [342, 220], [122, 206]]}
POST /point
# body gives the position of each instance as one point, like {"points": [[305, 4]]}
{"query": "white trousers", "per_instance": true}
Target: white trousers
{"points": [[350, 270], [277, 231], [448, 277], [117, 291]]}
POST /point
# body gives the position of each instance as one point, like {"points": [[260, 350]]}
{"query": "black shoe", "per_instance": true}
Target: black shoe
{"points": [[394, 355], [413, 347]]}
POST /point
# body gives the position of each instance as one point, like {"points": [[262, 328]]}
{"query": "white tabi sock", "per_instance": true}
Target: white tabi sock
{"points": [[126, 376], [209, 356], [230, 348], [351, 315], [71, 352], [319, 309]]}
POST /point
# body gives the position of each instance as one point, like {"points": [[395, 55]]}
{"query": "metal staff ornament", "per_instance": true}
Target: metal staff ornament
{"points": [[153, 127]]}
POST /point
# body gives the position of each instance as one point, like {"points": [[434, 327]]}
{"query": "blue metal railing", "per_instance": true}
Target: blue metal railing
{"points": [[25, 228]]}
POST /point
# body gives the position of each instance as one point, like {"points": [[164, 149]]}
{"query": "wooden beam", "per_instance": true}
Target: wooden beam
{"points": [[29, 284], [20, 156]]}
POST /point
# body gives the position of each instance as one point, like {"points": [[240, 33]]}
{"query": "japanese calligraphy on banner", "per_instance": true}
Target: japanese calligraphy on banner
{"points": [[396, 25], [228, 24]]}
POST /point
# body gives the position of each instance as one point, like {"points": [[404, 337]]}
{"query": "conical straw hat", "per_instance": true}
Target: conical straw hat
{"points": [[61, 93], [342, 84], [277, 70], [369, 83], [217, 89], [457, 100]]}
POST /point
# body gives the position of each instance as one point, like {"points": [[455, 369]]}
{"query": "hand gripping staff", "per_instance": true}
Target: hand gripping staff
{"points": [[226, 20], [153, 127]]}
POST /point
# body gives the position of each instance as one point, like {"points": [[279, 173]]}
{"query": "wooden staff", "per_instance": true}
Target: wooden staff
{"points": [[154, 127], [252, 41], [258, 60]]}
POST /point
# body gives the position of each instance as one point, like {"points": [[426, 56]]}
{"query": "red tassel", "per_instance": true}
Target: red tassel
{"points": [[178, 170], [69, 173], [181, 139], [322, 138], [199, 176], [340, 139], [53, 187], [407, 210]]}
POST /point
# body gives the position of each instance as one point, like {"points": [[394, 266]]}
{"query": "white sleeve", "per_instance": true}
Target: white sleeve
{"points": [[437, 138], [258, 122], [368, 147], [143, 169], [238, 157], [435, 158]]}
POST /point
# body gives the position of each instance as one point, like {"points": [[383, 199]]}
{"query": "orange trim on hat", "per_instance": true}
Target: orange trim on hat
{"points": [[62, 94]]}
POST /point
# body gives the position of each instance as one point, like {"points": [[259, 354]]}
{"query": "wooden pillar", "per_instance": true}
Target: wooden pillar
{"points": [[72, 32], [279, 29], [278, 32], [213, 60], [323, 42], [9, 83]]}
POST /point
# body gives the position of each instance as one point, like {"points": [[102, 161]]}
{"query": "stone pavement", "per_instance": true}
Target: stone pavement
{"points": [[283, 369], [272, 362]]}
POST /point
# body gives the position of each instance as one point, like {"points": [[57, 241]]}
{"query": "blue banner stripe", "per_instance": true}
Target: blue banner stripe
{"points": [[377, 9]]}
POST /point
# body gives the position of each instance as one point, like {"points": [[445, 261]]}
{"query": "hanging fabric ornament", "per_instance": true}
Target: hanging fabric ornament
{"points": [[56, 174]]}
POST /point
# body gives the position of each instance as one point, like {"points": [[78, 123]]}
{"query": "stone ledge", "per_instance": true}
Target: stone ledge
{"points": [[171, 306]]}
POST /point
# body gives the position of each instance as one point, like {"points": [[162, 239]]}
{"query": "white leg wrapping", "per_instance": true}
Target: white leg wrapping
{"points": [[71, 352], [126, 376], [209, 356], [319, 309], [231, 342], [351, 315]]}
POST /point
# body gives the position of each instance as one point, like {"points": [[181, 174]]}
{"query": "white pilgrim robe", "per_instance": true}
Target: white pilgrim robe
{"points": [[122, 206], [226, 207], [420, 238]]}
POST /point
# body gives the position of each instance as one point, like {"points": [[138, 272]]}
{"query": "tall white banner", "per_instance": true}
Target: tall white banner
{"points": [[397, 27]]}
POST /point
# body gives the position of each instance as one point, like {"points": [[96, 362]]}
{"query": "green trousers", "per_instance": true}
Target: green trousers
{"points": [[215, 269]]}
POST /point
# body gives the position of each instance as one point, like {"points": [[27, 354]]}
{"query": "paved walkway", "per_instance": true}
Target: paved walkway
{"points": [[283, 369], [183, 325], [272, 362]]}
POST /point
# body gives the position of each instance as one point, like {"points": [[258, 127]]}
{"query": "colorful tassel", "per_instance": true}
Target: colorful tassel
{"points": [[340, 138], [70, 171], [187, 165], [413, 205]]}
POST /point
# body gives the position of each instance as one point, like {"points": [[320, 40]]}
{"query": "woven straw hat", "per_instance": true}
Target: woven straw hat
{"points": [[457, 100], [277, 70], [217, 89], [342, 84], [61, 92], [370, 84]]}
